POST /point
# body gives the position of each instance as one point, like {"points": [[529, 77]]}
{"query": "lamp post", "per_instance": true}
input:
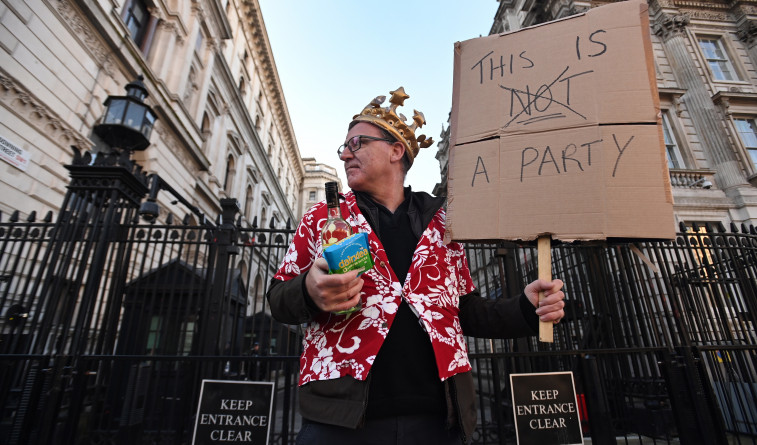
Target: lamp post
{"points": [[128, 121]]}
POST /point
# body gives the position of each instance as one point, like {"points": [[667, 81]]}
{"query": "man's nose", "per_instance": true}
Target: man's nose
{"points": [[346, 154]]}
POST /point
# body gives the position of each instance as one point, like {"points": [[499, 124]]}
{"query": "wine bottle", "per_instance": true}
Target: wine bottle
{"points": [[336, 229]]}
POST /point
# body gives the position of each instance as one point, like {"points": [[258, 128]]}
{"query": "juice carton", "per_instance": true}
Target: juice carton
{"points": [[351, 253]]}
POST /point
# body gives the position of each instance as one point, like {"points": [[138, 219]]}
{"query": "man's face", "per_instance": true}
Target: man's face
{"points": [[367, 167]]}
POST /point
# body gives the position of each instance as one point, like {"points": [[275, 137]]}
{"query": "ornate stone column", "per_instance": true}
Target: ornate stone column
{"points": [[747, 28], [707, 119]]}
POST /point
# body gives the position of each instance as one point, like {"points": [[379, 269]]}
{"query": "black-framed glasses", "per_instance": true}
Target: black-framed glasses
{"points": [[355, 143]]}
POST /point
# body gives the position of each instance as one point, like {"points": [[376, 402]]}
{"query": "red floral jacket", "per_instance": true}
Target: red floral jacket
{"points": [[340, 345]]}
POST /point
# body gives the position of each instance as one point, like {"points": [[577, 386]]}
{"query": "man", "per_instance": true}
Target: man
{"points": [[396, 371]]}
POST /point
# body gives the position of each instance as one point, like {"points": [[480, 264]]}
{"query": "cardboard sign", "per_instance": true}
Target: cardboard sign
{"points": [[556, 129], [546, 409], [231, 411]]}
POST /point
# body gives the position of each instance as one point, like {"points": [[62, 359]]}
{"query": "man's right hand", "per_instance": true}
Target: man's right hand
{"points": [[335, 292]]}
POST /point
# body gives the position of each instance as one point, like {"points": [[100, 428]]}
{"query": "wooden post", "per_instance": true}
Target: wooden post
{"points": [[544, 262]]}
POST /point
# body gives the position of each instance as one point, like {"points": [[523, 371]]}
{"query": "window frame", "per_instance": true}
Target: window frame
{"points": [[146, 31], [668, 129], [749, 153], [725, 47]]}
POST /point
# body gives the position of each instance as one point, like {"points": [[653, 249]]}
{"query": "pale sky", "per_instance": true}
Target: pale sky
{"points": [[333, 57]]}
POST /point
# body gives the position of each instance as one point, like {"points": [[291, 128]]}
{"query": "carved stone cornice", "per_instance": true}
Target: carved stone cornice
{"points": [[262, 48], [655, 6], [577, 9], [738, 99], [198, 10], [747, 31], [172, 27], [82, 31], [707, 14], [742, 10], [174, 146], [215, 45], [667, 26], [28, 107]]}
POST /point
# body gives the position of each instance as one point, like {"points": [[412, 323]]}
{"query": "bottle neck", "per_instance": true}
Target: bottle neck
{"points": [[334, 212]]}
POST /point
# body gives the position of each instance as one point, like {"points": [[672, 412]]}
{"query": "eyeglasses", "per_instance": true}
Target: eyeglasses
{"points": [[355, 143]]}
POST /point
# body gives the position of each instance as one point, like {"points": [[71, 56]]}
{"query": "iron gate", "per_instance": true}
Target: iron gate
{"points": [[110, 323]]}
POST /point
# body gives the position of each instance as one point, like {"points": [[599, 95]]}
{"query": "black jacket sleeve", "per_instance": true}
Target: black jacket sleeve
{"points": [[290, 302], [497, 318]]}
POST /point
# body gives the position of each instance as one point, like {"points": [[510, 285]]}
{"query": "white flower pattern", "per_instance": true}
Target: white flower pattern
{"points": [[336, 346]]}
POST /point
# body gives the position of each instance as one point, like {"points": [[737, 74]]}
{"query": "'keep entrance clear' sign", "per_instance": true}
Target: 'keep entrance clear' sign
{"points": [[546, 409], [231, 411]]}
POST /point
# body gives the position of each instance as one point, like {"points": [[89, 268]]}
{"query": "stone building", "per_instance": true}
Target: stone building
{"points": [[705, 56], [316, 176], [222, 129]]}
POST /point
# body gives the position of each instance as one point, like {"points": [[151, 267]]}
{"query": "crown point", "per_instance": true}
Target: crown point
{"points": [[377, 101], [398, 96], [419, 118]]}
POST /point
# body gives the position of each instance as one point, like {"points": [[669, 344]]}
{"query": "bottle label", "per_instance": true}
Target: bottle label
{"points": [[352, 253], [332, 234]]}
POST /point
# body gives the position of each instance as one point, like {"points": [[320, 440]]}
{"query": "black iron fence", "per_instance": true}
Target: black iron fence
{"points": [[111, 323]]}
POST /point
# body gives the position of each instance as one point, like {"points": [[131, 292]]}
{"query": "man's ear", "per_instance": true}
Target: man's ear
{"points": [[398, 151]]}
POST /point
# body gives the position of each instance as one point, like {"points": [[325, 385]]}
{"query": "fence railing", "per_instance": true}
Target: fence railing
{"points": [[660, 336]]}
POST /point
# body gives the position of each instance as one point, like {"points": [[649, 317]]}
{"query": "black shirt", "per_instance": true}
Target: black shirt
{"points": [[404, 378]]}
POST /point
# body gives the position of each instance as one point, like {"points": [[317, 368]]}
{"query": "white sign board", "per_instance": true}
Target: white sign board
{"points": [[13, 154]]}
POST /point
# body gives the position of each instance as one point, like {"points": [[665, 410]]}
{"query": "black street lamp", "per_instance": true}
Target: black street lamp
{"points": [[128, 121]]}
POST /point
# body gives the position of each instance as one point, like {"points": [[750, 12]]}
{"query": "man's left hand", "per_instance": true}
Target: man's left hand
{"points": [[551, 308]]}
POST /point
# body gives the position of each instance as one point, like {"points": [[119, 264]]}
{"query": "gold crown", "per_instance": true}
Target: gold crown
{"points": [[388, 119]]}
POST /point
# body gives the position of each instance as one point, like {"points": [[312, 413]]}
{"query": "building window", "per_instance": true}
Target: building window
{"points": [[228, 179], [248, 203], [138, 21], [205, 127], [153, 335], [717, 58], [186, 335], [748, 134], [241, 85], [312, 196], [198, 43], [672, 150]]}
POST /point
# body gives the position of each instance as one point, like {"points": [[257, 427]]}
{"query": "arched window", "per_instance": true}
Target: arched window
{"points": [[248, 203], [242, 84], [257, 295], [228, 180], [205, 128], [191, 86]]}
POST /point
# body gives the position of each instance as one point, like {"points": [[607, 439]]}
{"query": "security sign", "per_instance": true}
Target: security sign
{"points": [[233, 411], [546, 409]]}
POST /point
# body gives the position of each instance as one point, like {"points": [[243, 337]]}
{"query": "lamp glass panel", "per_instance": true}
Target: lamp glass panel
{"points": [[115, 112], [148, 124], [134, 116]]}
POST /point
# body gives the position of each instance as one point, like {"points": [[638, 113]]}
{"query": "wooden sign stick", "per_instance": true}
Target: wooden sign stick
{"points": [[544, 262]]}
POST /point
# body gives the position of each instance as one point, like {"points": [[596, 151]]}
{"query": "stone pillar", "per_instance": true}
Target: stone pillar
{"points": [[707, 119]]}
